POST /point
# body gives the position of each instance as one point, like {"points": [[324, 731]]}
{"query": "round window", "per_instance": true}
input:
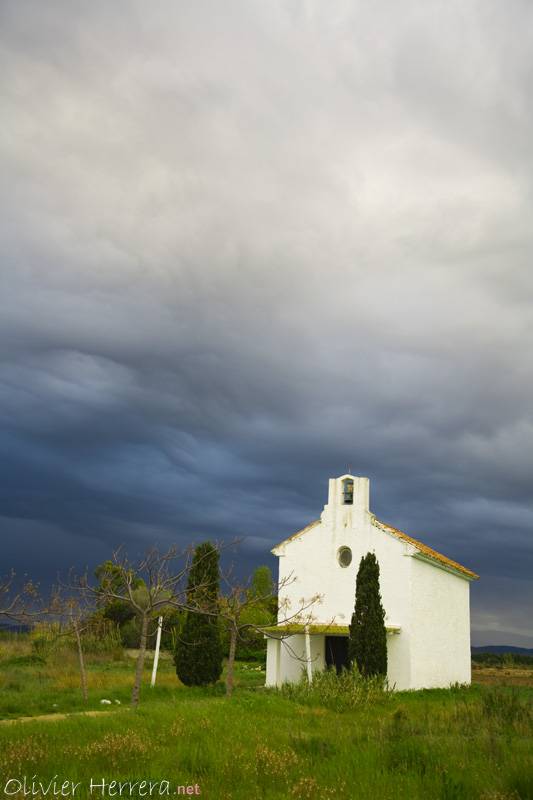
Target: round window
{"points": [[344, 556]]}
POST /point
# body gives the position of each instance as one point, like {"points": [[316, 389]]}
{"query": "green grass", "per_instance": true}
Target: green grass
{"points": [[29, 688], [473, 743]]}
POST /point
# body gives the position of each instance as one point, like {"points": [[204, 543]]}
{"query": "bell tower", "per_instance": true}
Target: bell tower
{"points": [[348, 493]]}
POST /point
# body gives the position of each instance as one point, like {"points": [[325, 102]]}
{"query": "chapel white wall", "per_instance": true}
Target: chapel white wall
{"points": [[273, 672], [440, 635]]}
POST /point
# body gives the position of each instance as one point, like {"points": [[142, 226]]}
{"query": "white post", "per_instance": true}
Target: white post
{"points": [[156, 656], [308, 654]]}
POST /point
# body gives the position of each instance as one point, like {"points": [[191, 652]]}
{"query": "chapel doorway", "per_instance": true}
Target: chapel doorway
{"points": [[337, 652]]}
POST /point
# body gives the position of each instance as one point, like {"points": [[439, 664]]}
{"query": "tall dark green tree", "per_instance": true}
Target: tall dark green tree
{"points": [[198, 653], [367, 645]]}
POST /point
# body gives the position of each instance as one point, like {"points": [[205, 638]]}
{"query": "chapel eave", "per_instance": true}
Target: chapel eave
{"points": [[294, 536]]}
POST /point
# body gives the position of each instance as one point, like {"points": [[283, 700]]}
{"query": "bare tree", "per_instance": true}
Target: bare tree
{"points": [[19, 602], [73, 615], [234, 607], [26, 606], [164, 578]]}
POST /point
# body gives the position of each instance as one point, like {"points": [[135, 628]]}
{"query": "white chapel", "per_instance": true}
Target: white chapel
{"points": [[426, 597]]}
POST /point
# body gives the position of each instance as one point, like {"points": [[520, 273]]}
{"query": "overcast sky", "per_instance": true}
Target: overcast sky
{"points": [[245, 244]]}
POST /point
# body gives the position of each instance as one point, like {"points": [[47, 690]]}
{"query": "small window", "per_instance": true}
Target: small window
{"points": [[348, 493], [344, 556]]}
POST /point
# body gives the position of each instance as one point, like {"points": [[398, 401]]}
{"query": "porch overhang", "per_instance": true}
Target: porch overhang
{"points": [[282, 631]]}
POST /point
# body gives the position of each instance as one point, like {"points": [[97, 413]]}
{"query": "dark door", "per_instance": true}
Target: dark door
{"points": [[337, 652]]}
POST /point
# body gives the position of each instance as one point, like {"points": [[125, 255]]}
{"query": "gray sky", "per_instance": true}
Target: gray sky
{"points": [[245, 244]]}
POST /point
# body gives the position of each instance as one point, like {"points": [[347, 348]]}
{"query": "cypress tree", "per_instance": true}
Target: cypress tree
{"points": [[198, 652], [367, 645]]}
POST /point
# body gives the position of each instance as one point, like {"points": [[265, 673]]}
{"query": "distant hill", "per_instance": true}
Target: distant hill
{"points": [[502, 648], [13, 627]]}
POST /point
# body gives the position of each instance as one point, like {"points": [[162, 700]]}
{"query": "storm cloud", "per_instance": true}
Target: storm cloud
{"points": [[244, 245]]}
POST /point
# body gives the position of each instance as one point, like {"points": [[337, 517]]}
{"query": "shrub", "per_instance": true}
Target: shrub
{"points": [[338, 692], [41, 645], [23, 661], [44, 638], [251, 654], [101, 636], [130, 634]]}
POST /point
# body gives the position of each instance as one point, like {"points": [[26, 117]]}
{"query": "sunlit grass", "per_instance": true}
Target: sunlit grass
{"points": [[32, 689], [446, 744], [465, 743]]}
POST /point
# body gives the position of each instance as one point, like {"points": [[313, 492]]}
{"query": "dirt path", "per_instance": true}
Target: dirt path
{"points": [[54, 716]]}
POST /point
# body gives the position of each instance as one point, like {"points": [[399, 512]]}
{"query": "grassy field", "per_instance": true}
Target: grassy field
{"points": [[502, 676], [465, 742]]}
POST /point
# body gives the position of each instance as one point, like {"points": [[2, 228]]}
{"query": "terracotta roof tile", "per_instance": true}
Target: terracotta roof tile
{"points": [[424, 549]]}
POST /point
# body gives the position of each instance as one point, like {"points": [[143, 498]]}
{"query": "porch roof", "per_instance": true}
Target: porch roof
{"points": [[330, 630]]}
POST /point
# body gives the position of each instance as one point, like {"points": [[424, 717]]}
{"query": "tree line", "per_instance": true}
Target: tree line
{"points": [[206, 613], [195, 598], [503, 659]]}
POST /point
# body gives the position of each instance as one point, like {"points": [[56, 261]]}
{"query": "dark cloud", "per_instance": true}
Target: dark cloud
{"points": [[246, 246]]}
